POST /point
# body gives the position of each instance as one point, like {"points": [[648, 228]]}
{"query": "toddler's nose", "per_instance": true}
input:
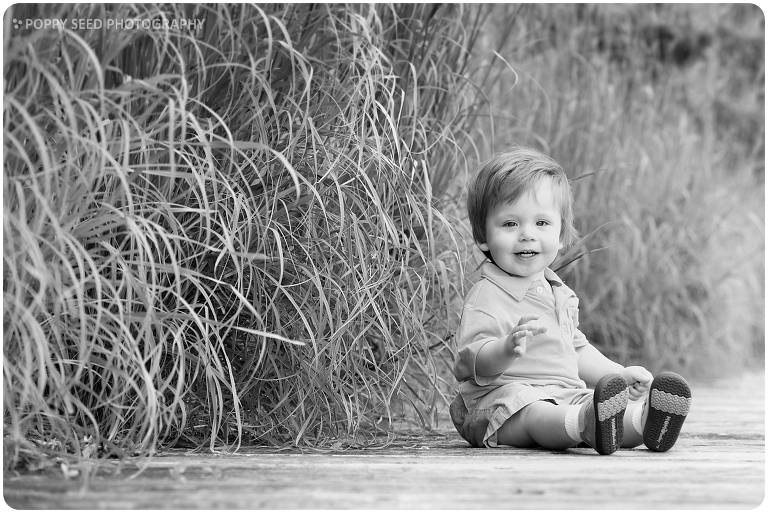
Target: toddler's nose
{"points": [[526, 233]]}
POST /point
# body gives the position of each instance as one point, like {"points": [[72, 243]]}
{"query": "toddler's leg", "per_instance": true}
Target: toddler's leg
{"points": [[603, 426], [657, 421], [599, 422], [633, 426], [539, 424], [668, 403]]}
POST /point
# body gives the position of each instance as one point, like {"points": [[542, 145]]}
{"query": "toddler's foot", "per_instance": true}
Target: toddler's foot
{"points": [[667, 405], [602, 419]]}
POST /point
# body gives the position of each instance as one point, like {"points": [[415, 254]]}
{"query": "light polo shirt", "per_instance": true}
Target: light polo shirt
{"points": [[493, 308]]}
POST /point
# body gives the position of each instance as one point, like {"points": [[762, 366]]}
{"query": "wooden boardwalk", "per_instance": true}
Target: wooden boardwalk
{"points": [[718, 463]]}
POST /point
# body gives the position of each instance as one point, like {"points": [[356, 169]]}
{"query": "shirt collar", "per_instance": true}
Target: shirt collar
{"points": [[515, 286]]}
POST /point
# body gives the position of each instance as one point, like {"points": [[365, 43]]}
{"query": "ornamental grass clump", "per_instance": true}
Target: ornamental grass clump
{"points": [[233, 232]]}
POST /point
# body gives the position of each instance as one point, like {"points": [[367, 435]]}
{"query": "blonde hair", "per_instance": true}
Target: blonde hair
{"points": [[505, 177]]}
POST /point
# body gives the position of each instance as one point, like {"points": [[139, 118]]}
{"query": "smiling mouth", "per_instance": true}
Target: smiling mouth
{"points": [[526, 254]]}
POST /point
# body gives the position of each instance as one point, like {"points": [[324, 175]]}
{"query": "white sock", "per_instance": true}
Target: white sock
{"points": [[637, 418], [572, 422]]}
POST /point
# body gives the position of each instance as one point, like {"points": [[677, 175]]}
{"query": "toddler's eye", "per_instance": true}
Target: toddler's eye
{"points": [[510, 223], [541, 223]]}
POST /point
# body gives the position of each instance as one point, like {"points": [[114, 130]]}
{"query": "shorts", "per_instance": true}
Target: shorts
{"points": [[479, 426]]}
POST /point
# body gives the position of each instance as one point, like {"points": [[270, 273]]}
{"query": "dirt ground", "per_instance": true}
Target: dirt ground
{"points": [[718, 463]]}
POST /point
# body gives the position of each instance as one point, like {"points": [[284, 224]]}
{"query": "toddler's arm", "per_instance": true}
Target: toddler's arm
{"points": [[593, 365], [497, 355]]}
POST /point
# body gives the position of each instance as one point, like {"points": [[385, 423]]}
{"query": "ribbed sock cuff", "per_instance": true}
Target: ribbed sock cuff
{"points": [[572, 422], [637, 418]]}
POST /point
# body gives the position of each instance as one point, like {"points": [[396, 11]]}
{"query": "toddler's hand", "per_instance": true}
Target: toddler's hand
{"points": [[638, 379], [523, 332]]}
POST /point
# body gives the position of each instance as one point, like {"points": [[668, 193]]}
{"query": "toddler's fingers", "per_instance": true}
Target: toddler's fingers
{"points": [[518, 337], [527, 318], [532, 329], [518, 340], [638, 389], [645, 377], [638, 376]]}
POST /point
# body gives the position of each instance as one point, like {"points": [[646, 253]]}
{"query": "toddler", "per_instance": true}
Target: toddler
{"points": [[523, 366]]}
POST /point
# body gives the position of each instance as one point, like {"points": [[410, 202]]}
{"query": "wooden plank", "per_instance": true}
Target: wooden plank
{"points": [[718, 463]]}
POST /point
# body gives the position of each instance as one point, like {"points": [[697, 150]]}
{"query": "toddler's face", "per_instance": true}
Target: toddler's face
{"points": [[524, 236]]}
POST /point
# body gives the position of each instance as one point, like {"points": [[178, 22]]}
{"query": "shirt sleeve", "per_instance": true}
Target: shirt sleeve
{"points": [[579, 339], [477, 328]]}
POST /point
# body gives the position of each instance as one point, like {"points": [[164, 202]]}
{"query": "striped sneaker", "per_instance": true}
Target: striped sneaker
{"points": [[668, 403], [603, 419]]}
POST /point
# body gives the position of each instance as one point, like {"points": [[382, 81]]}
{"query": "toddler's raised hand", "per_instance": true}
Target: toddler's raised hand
{"points": [[523, 332], [638, 379]]}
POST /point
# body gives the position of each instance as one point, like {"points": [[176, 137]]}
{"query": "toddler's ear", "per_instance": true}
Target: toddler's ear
{"points": [[484, 246]]}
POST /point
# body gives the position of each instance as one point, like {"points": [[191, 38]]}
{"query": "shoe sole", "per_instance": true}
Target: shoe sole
{"points": [[669, 404], [610, 399]]}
